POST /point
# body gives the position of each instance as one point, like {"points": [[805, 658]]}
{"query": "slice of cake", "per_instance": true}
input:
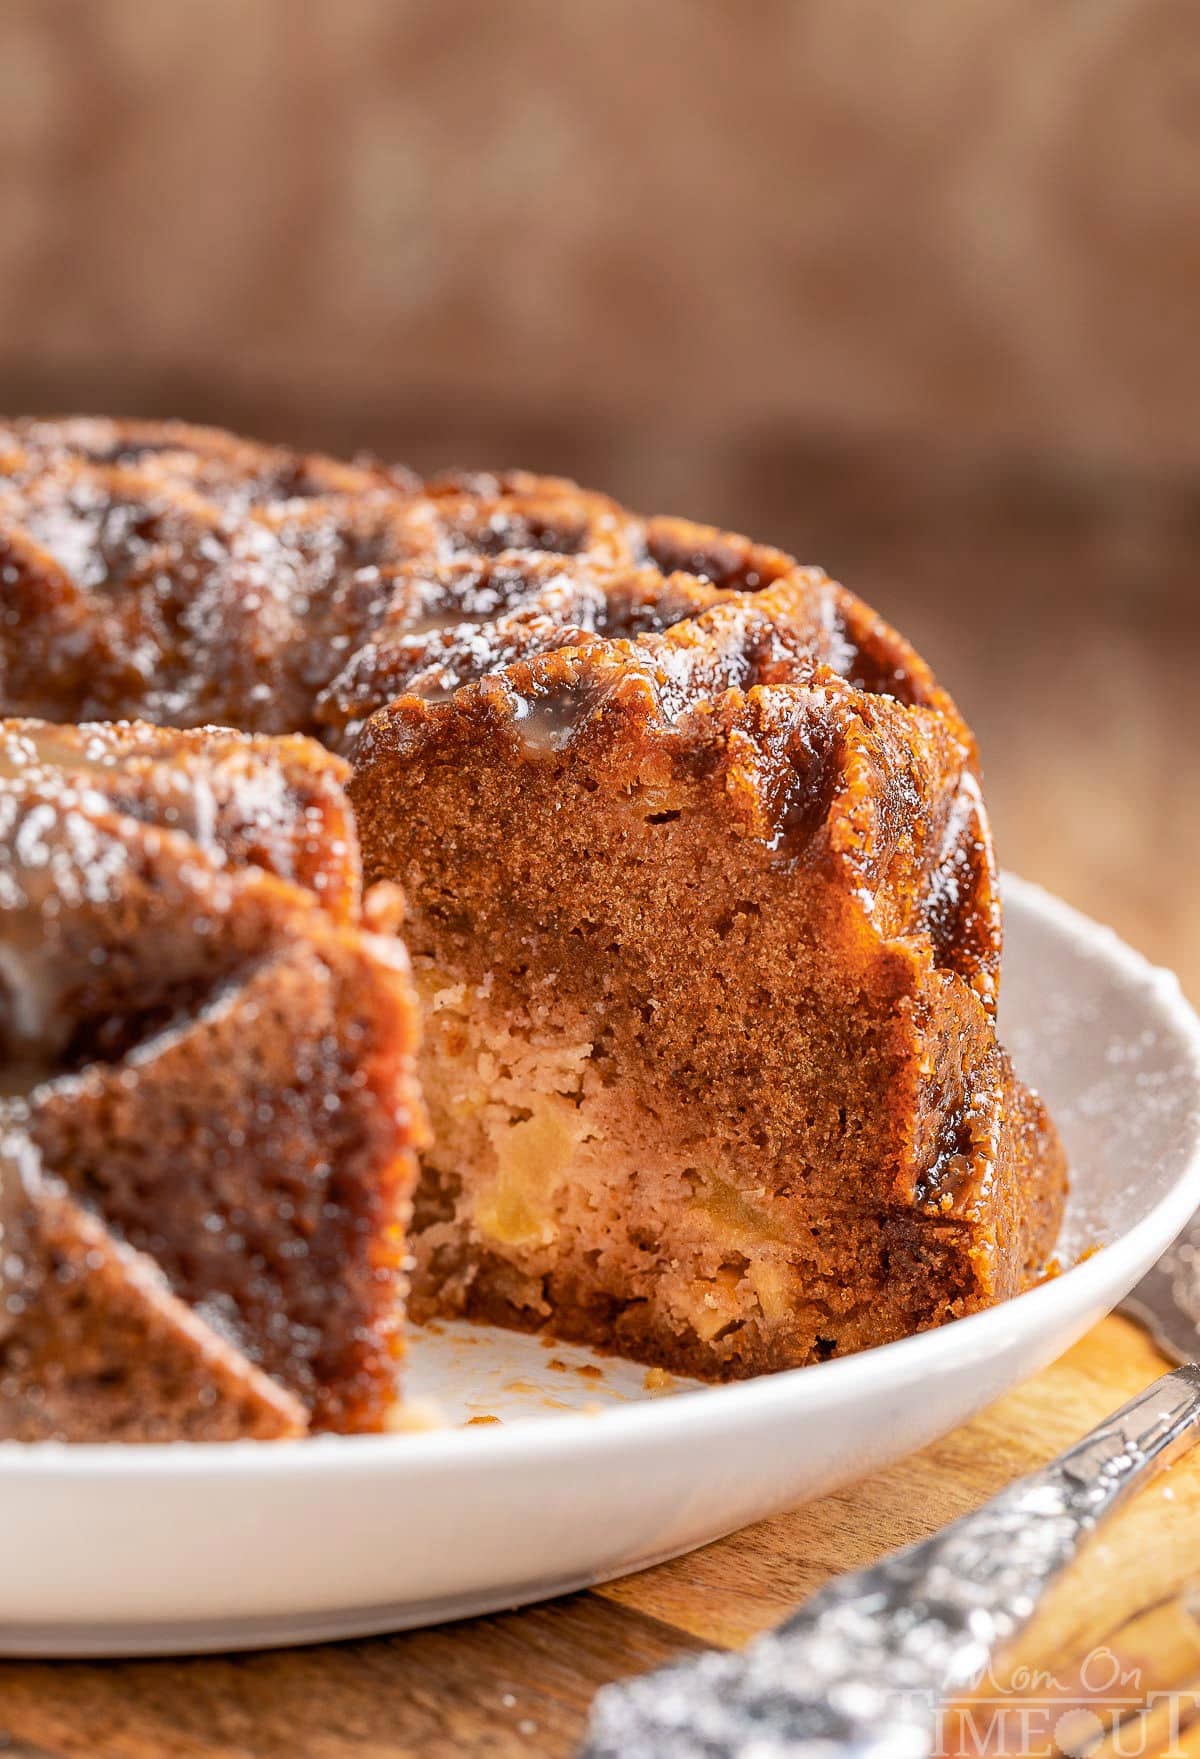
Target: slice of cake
{"points": [[210, 1108], [706, 929]]}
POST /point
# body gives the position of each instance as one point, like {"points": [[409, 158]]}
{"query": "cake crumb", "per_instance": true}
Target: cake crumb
{"points": [[415, 1417]]}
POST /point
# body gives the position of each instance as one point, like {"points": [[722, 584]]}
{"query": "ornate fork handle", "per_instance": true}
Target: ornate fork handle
{"points": [[864, 1667]]}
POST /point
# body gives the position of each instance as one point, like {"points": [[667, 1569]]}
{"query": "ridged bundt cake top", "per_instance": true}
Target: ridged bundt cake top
{"points": [[280, 806], [208, 1064], [89, 813], [184, 576]]}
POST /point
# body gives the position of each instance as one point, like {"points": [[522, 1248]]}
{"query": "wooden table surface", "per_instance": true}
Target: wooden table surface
{"points": [[1074, 651]]}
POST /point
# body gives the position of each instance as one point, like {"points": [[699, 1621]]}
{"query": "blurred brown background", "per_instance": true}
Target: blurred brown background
{"points": [[912, 291]]}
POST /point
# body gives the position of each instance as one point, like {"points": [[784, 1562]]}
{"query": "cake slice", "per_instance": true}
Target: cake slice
{"points": [[211, 1112], [706, 929]]}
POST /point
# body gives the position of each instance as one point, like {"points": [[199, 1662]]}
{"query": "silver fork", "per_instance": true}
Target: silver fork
{"points": [[864, 1669]]}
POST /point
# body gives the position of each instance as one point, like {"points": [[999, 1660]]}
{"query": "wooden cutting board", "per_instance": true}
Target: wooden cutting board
{"points": [[1117, 1632]]}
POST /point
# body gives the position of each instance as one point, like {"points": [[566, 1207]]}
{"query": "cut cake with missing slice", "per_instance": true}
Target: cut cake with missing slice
{"points": [[703, 894]]}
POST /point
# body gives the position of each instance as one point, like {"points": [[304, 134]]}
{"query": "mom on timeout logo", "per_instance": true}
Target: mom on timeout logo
{"points": [[1101, 1709]]}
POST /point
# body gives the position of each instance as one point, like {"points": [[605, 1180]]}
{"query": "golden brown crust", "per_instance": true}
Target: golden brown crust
{"points": [[166, 571], [95, 1345], [279, 805], [880, 792], [214, 1062]]}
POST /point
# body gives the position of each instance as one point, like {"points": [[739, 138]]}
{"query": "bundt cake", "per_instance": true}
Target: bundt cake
{"points": [[209, 1106], [701, 895]]}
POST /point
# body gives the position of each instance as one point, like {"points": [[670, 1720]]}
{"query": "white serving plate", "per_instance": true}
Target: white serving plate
{"points": [[143, 1550]]}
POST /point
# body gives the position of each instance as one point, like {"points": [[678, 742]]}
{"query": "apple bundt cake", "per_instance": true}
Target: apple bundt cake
{"points": [[701, 897]]}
